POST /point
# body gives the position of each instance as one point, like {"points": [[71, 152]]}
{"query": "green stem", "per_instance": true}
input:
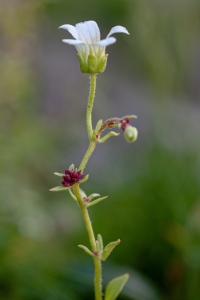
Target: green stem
{"points": [[87, 155], [77, 192], [97, 261], [97, 278], [90, 105], [85, 216]]}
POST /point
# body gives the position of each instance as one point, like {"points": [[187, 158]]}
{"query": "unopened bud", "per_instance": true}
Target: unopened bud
{"points": [[130, 133]]}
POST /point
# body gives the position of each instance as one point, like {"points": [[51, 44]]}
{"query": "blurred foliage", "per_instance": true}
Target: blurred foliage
{"points": [[154, 189]]}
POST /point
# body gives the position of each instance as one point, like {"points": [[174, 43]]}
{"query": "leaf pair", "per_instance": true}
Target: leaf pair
{"points": [[100, 251]]}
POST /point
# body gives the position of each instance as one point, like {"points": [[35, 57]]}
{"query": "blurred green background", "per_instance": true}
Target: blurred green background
{"points": [[153, 185]]}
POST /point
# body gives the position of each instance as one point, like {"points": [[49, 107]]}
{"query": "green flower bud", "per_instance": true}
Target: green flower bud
{"points": [[130, 133]]}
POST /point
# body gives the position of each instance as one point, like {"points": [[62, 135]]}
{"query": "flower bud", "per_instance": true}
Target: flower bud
{"points": [[130, 133]]}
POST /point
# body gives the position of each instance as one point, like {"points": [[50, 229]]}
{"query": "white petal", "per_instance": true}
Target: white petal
{"points": [[88, 32], [94, 31], [106, 42], [71, 29], [73, 42], [83, 32], [81, 47], [117, 29]]}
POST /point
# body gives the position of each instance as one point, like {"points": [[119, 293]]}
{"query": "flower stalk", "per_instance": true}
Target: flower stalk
{"points": [[93, 60], [96, 259], [90, 106]]}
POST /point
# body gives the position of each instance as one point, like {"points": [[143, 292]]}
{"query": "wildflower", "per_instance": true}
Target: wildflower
{"points": [[71, 177], [90, 47]]}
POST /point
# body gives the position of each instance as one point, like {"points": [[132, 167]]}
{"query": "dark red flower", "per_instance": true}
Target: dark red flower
{"points": [[71, 177], [124, 123]]}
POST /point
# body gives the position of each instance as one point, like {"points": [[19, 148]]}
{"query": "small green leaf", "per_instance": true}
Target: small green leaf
{"points": [[59, 174], [93, 196], [130, 117], [59, 189], [107, 136], [98, 125], [85, 179], [115, 286], [71, 167], [96, 201], [97, 246], [100, 240], [109, 248], [86, 250]]}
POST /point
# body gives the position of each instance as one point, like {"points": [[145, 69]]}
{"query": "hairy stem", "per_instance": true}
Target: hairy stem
{"points": [[86, 217], [90, 105], [87, 155], [77, 192], [88, 224]]}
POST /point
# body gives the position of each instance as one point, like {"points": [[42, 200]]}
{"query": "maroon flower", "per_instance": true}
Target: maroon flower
{"points": [[124, 123], [71, 177]]}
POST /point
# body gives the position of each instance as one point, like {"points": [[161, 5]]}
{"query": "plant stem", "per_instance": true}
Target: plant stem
{"points": [[86, 217], [77, 192], [90, 105], [88, 224], [97, 278], [87, 155]]}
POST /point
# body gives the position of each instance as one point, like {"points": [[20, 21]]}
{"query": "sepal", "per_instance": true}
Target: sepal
{"points": [[107, 136], [86, 250], [108, 249], [90, 197], [115, 286], [100, 241], [71, 167], [96, 201], [98, 126], [59, 174], [102, 64], [83, 65], [59, 189], [85, 179], [130, 117]]}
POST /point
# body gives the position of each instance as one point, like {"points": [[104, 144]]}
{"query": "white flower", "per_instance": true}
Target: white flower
{"points": [[90, 47]]}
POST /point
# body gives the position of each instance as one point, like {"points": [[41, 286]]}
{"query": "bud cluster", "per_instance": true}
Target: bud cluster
{"points": [[71, 177]]}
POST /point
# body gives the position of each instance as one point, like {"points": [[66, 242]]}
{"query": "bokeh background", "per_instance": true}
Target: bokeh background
{"points": [[153, 184]]}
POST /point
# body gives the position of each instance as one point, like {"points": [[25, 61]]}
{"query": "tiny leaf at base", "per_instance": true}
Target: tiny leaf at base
{"points": [[115, 286]]}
